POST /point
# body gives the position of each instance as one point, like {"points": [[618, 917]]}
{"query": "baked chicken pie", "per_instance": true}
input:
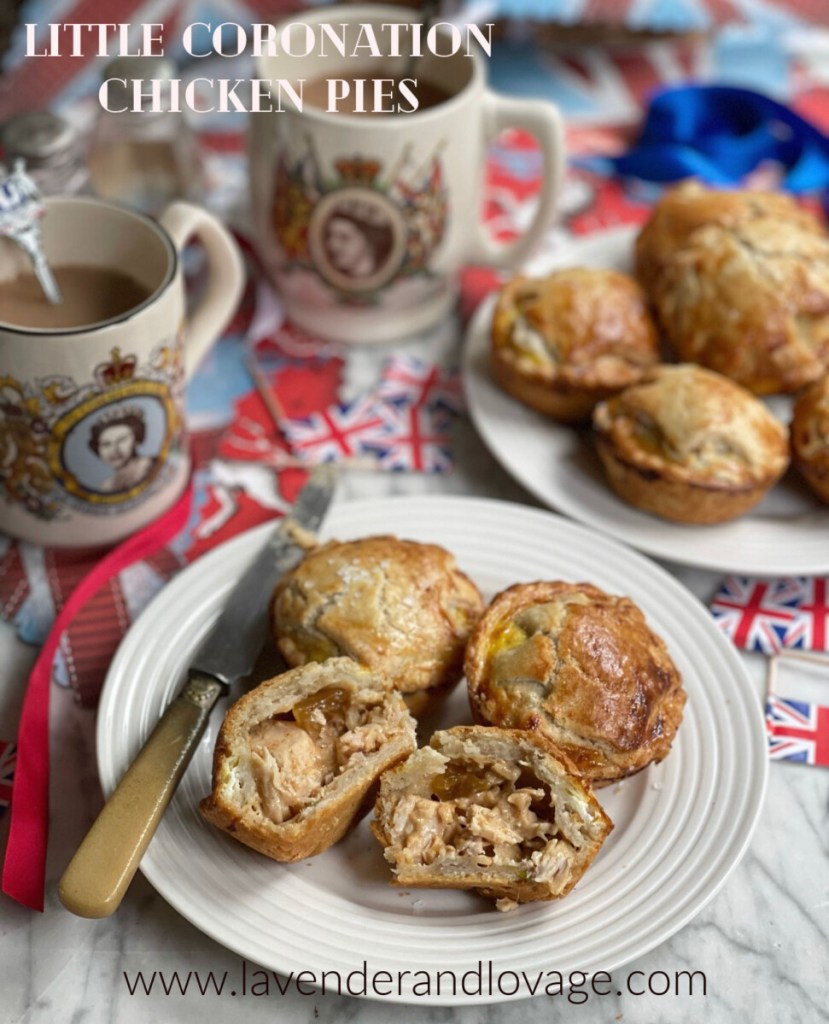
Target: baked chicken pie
{"points": [[562, 342], [497, 811], [810, 437], [399, 606], [583, 669], [740, 283], [297, 758], [689, 445]]}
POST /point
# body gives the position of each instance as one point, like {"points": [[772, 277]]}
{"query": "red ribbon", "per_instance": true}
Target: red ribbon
{"points": [[24, 869]]}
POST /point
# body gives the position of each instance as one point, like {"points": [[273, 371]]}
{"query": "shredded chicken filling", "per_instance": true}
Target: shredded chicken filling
{"points": [[495, 815], [295, 756]]}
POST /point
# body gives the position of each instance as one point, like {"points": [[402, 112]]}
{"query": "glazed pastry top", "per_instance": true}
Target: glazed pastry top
{"points": [[694, 425]]}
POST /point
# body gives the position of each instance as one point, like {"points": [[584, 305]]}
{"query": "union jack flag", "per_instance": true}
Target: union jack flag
{"points": [[760, 615], [418, 439], [8, 759], [407, 380], [768, 615], [797, 731], [338, 432], [809, 630]]}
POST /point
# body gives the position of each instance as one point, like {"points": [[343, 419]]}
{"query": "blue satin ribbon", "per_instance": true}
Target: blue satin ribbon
{"points": [[720, 133]]}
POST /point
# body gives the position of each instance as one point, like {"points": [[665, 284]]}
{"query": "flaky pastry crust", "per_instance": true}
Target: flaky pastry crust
{"points": [[580, 667], [563, 342], [740, 283], [398, 606], [297, 759], [810, 437], [689, 445], [497, 811]]}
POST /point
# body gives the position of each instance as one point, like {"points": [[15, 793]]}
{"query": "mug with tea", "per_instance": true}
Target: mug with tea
{"points": [[365, 218], [92, 433]]}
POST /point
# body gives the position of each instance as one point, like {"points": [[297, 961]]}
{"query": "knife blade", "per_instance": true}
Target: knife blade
{"points": [[232, 645], [97, 877]]}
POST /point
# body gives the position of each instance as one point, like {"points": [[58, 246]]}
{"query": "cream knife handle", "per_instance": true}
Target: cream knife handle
{"points": [[97, 877]]}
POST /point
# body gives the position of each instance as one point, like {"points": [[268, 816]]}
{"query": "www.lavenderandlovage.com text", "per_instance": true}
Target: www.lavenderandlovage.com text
{"points": [[483, 980]]}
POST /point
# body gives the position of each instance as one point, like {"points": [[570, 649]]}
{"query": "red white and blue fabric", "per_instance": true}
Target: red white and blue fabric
{"points": [[662, 15], [769, 615], [407, 380], [797, 731], [343, 431], [418, 439], [8, 760]]}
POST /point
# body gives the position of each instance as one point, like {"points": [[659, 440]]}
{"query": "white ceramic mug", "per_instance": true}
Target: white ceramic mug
{"points": [[365, 222], [92, 433]]}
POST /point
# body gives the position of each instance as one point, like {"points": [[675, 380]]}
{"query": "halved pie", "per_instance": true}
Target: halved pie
{"points": [[498, 811], [297, 758]]}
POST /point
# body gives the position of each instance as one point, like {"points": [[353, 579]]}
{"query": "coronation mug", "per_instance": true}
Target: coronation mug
{"points": [[92, 433], [364, 221]]}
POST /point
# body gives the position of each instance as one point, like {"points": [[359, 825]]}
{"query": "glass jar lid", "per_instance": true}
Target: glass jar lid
{"points": [[39, 137], [122, 71]]}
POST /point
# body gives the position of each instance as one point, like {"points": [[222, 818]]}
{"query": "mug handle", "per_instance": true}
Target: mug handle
{"points": [[226, 280], [544, 122]]}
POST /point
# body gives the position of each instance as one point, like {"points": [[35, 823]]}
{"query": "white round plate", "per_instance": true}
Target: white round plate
{"points": [[785, 534], [680, 827]]}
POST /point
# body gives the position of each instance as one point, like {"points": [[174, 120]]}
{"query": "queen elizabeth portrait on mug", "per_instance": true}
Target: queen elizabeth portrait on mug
{"points": [[109, 452]]}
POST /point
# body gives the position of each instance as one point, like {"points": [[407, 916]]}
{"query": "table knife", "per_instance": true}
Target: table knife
{"points": [[98, 875]]}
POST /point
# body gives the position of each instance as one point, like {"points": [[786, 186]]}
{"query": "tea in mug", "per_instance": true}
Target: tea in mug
{"points": [[90, 296]]}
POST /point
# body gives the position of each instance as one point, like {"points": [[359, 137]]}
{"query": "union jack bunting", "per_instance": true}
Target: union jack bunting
{"points": [[408, 380], [8, 758], [418, 439], [769, 615], [797, 731], [339, 432]]}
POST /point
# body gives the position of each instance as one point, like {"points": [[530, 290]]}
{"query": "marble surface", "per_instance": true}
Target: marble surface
{"points": [[762, 941]]}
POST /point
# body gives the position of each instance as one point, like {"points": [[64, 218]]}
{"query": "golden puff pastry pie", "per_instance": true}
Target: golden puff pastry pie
{"points": [[297, 758], [498, 811], [399, 606], [740, 283], [689, 445], [810, 437], [561, 343], [582, 668]]}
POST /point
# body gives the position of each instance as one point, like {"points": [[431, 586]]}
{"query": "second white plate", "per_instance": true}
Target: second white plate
{"points": [[785, 534], [680, 826]]}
